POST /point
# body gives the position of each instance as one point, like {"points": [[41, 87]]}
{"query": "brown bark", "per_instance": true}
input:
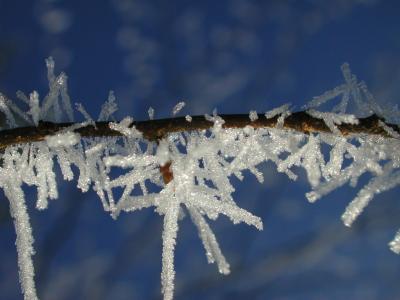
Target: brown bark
{"points": [[157, 129]]}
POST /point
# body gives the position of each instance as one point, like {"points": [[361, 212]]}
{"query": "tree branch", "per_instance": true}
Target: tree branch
{"points": [[157, 129]]}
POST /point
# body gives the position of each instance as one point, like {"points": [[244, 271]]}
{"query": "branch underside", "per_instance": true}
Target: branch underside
{"points": [[155, 130]]}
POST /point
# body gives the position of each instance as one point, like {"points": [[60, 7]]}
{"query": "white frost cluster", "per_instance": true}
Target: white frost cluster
{"points": [[354, 98], [192, 169]]}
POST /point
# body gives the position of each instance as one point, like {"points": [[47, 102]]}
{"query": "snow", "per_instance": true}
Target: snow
{"points": [[202, 191]]}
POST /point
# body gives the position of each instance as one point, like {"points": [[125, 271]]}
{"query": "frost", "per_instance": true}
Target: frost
{"points": [[20, 95], [126, 128], [210, 243], [10, 109], [193, 170], [24, 241], [389, 130], [395, 244], [151, 113], [34, 110], [9, 116], [83, 111], [51, 109], [283, 112], [55, 107], [383, 182], [63, 139], [277, 111], [187, 189], [354, 97], [333, 119], [66, 101], [178, 107], [253, 115], [108, 108]]}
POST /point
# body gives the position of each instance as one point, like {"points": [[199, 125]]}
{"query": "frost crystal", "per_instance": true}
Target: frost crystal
{"points": [[178, 107], [24, 240], [333, 119], [253, 115], [84, 113], [151, 113], [395, 244], [193, 170], [283, 112], [34, 110], [63, 139], [108, 108], [9, 116], [389, 130], [277, 111]]}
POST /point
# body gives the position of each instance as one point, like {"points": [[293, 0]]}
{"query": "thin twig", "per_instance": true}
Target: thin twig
{"points": [[157, 129]]}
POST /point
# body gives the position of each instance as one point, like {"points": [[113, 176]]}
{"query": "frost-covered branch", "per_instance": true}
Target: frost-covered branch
{"points": [[184, 165], [153, 130]]}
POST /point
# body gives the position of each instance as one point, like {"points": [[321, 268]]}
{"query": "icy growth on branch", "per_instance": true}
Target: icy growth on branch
{"points": [[277, 111], [85, 114], [4, 109], [24, 242], [333, 119], [55, 107], [34, 110], [125, 128], [178, 107], [151, 113], [253, 115], [193, 170], [395, 244], [355, 98], [108, 108], [63, 139], [51, 108], [389, 130], [283, 112]]}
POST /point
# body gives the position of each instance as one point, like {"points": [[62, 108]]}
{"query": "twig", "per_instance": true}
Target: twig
{"points": [[157, 129]]}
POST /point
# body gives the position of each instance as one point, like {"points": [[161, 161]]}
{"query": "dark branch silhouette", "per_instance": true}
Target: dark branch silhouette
{"points": [[155, 130]]}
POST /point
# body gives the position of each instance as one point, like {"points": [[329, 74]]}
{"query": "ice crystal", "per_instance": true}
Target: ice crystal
{"points": [[193, 170], [151, 113], [333, 119], [108, 108], [178, 107], [83, 111], [253, 115]]}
